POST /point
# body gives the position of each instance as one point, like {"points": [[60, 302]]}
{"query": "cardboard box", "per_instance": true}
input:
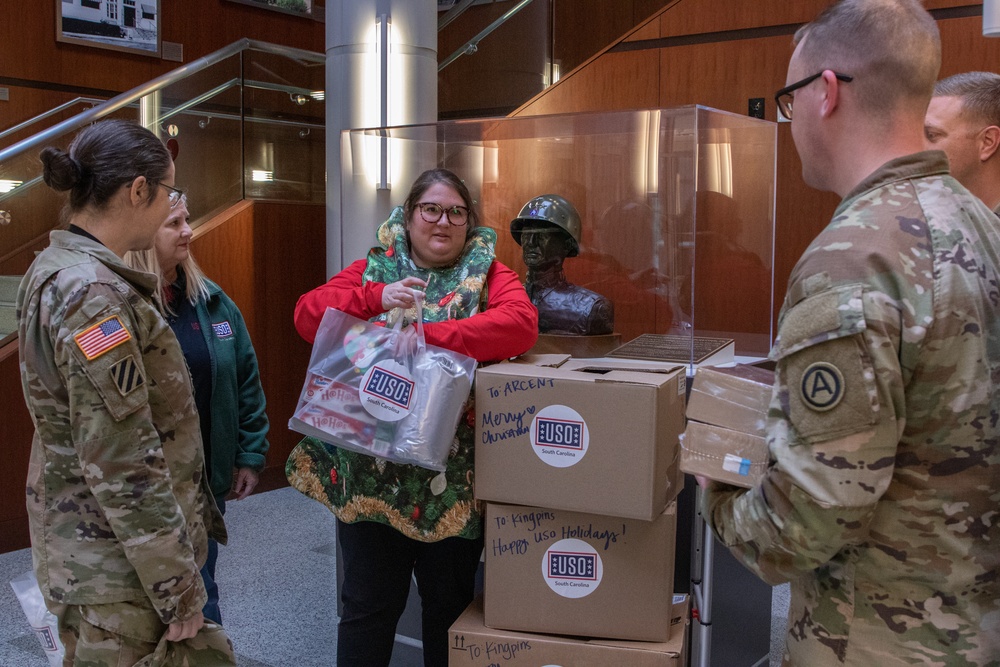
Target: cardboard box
{"points": [[572, 440], [472, 644], [558, 572], [735, 398], [727, 456]]}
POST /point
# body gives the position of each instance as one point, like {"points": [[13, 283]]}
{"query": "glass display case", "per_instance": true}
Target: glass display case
{"points": [[676, 207]]}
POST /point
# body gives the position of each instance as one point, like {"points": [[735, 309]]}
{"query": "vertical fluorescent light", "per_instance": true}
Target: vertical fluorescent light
{"points": [[382, 50], [653, 153]]}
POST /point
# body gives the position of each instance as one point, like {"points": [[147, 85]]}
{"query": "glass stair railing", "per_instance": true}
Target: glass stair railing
{"points": [[247, 121]]}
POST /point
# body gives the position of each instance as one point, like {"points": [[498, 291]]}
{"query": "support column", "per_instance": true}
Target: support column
{"points": [[355, 84]]}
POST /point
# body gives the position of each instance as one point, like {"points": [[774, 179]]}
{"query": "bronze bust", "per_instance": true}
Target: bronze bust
{"points": [[548, 231]]}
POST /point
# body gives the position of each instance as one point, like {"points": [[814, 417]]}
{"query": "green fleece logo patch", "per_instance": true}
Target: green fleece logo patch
{"points": [[822, 386]]}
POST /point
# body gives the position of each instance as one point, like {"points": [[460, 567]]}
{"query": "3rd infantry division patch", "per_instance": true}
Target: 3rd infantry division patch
{"points": [[126, 375]]}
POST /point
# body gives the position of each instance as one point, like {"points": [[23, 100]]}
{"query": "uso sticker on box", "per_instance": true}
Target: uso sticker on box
{"points": [[387, 391], [572, 568], [559, 436]]}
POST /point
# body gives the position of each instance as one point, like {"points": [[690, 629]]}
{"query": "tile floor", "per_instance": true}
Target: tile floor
{"points": [[278, 582]]}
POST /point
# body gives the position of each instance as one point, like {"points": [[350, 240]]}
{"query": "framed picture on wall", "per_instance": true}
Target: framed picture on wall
{"points": [[296, 7], [121, 25]]}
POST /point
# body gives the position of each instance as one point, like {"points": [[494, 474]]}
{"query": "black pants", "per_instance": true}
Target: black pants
{"points": [[378, 561]]}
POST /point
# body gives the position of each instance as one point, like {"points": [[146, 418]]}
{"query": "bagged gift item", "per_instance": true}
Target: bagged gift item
{"points": [[41, 620], [368, 391]]}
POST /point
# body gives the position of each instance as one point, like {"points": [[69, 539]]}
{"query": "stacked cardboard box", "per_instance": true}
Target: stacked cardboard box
{"points": [[727, 415], [597, 442], [473, 644], [580, 470]]}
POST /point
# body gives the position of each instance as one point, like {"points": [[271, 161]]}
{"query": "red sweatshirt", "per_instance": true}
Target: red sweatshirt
{"points": [[507, 328]]}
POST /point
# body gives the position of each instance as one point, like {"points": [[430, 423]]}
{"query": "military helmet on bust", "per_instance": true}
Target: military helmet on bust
{"points": [[551, 209]]}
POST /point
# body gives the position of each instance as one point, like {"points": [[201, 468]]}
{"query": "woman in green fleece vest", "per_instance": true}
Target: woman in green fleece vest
{"points": [[223, 368]]}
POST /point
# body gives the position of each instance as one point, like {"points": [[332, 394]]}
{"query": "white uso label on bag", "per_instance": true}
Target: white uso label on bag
{"points": [[572, 568], [559, 436], [387, 391]]}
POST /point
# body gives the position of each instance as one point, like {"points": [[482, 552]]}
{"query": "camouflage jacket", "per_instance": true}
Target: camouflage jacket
{"points": [[882, 502], [116, 496]]}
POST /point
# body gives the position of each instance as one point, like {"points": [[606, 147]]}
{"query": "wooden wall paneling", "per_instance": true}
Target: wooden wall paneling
{"points": [[613, 81], [931, 5], [693, 17], [725, 75], [224, 248], [507, 69], [24, 103], [209, 164], [964, 49], [33, 214], [16, 431], [581, 28], [200, 26], [801, 213], [16, 263], [290, 260]]}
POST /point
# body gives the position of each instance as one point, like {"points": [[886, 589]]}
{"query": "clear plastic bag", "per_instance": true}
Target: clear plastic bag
{"points": [[41, 620], [366, 392]]}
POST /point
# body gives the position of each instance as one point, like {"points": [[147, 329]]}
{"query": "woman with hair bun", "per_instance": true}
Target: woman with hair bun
{"points": [[118, 507]]}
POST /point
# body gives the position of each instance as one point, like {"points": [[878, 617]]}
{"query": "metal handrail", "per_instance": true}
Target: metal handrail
{"points": [[51, 112], [132, 96], [472, 45], [454, 13]]}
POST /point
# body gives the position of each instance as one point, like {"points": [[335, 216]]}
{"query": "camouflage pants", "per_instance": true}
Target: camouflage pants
{"points": [[130, 634]]}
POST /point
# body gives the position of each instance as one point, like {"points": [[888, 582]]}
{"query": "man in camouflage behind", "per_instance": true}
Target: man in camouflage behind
{"points": [[963, 120], [882, 502]]}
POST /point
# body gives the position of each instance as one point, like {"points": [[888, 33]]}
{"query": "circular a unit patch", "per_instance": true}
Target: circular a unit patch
{"points": [[822, 386]]}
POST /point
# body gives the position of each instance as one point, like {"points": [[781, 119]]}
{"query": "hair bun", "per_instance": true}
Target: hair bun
{"points": [[60, 171]]}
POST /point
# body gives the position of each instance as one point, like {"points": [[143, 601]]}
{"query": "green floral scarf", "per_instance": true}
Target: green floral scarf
{"points": [[422, 504]]}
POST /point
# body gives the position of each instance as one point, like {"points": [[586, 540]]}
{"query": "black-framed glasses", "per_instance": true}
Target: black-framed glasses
{"points": [[174, 196], [431, 212], [784, 96]]}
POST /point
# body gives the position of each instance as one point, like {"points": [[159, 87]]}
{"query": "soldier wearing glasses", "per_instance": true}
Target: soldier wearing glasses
{"points": [[397, 521], [881, 502], [118, 506]]}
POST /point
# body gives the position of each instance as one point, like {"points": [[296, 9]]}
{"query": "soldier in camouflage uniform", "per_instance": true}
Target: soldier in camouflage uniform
{"points": [[963, 120], [118, 506], [882, 502]]}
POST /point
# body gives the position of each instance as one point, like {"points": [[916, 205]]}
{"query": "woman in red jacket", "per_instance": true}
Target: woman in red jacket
{"points": [[398, 520]]}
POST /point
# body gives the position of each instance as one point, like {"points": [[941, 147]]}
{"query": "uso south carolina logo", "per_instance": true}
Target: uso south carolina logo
{"points": [[572, 568], [387, 391], [559, 436]]}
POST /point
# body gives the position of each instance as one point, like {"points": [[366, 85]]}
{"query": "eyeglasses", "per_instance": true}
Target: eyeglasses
{"points": [[175, 196], [784, 96], [431, 212]]}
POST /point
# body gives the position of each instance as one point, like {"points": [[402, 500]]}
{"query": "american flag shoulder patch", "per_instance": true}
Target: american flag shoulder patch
{"points": [[126, 375], [222, 329], [105, 335]]}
